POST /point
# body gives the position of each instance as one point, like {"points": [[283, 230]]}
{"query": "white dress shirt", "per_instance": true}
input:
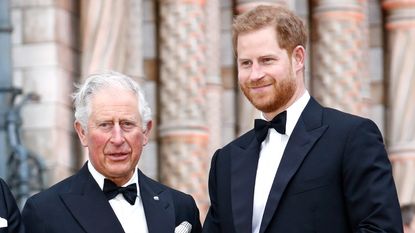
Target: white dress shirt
{"points": [[131, 217], [270, 155]]}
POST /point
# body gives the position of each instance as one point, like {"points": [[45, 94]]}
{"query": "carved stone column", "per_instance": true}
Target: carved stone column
{"points": [[183, 130], [400, 35], [213, 79], [133, 65], [339, 49], [246, 112]]}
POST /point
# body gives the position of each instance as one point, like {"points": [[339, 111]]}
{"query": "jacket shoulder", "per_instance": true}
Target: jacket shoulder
{"points": [[242, 141], [336, 117], [52, 192]]}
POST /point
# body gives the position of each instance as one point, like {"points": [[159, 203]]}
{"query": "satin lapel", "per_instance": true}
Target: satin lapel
{"points": [[244, 163], [307, 131], [89, 206], [158, 205]]}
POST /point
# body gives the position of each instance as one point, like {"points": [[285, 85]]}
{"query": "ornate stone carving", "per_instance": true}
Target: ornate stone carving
{"points": [[183, 131], [338, 61]]}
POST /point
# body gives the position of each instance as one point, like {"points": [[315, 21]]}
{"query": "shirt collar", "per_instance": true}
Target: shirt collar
{"points": [[99, 178], [294, 112]]}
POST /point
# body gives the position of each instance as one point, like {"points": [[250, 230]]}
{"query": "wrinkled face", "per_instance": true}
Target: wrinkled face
{"points": [[114, 136], [265, 71]]}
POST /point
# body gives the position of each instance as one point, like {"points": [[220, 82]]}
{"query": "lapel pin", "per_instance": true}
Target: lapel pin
{"points": [[156, 198]]}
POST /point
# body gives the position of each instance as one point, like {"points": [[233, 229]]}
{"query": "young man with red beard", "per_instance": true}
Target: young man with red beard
{"points": [[303, 168]]}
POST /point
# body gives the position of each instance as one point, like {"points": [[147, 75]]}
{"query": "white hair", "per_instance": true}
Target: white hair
{"points": [[94, 83]]}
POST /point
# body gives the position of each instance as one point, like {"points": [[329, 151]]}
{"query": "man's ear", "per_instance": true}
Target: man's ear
{"points": [[298, 58], [147, 131], [81, 133]]}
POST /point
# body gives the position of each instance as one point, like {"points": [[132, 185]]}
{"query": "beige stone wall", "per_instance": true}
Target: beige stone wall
{"points": [[45, 59]]}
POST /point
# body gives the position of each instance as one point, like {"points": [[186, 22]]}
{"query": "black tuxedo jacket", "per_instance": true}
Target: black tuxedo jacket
{"points": [[9, 210], [77, 204], [334, 177]]}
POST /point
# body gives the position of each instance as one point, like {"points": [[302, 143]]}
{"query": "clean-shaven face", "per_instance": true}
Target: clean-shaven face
{"points": [[115, 136]]}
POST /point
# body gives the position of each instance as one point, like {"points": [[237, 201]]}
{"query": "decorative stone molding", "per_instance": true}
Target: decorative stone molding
{"points": [[182, 98], [339, 44]]}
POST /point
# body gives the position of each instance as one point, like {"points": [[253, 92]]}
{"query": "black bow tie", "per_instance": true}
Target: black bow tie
{"points": [[111, 190], [262, 126]]}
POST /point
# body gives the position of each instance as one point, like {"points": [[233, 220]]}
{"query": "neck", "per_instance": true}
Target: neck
{"points": [[270, 115], [120, 181]]}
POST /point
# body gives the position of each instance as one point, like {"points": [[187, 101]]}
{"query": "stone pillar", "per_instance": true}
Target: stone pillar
{"points": [[133, 66], [400, 76], [148, 36], [213, 79], [246, 111], [44, 54], [339, 49], [183, 129], [213, 82]]}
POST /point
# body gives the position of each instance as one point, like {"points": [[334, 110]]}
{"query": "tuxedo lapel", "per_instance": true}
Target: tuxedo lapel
{"points": [[306, 132], [158, 205], [244, 164], [89, 206]]}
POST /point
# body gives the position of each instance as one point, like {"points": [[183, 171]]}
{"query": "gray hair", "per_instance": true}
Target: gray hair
{"points": [[95, 82]]}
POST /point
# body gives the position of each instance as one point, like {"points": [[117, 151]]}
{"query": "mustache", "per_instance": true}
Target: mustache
{"points": [[260, 83]]}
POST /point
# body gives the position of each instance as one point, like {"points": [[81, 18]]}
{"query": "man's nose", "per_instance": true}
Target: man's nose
{"points": [[117, 135], [256, 72]]}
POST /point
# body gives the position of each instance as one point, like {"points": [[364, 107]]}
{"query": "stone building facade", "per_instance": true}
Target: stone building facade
{"points": [[360, 59]]}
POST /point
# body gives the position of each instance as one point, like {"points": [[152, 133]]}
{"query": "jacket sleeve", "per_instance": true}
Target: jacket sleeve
{"points": [[12, 211], [368, 185], [211, 224], [30, 218], [197, 226]]}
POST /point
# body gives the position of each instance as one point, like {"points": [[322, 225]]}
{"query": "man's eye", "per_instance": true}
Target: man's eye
{"points": [[104, 125], [245, 63], [127, 124], [267, 60]]}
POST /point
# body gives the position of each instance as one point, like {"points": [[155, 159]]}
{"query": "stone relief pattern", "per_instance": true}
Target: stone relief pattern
{"points": [[183, 166], [338, 58], [183, 125], [182, 68]]}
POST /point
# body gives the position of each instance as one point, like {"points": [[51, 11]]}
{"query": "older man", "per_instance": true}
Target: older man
{"points": [[109, 194]]}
